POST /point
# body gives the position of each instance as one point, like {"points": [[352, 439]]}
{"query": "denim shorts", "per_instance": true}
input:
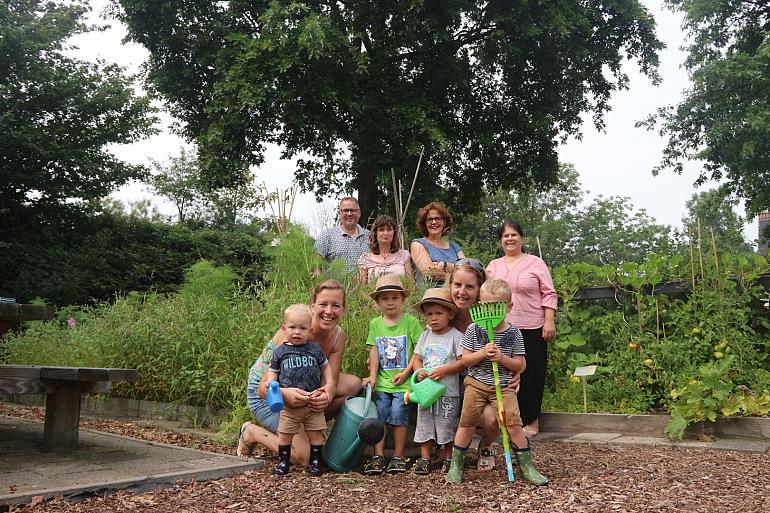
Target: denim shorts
{"points": [[266, 418], [391, 408]]}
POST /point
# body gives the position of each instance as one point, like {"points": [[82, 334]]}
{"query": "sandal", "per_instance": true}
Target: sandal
{"points": [[486, 460], [396, 465], [422, 466], [248, 447], [446, 466], [375, 466]]}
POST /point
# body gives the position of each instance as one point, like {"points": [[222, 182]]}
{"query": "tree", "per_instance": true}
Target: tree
{"points": [[608, 230], [57, 113], [179, 182], [723, 119], [545, 214], [227, 206], [716, 211], [358, 88]]}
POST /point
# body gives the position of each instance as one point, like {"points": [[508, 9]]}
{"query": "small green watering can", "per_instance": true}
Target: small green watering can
{"points": [[425, 392], [356, 425]]}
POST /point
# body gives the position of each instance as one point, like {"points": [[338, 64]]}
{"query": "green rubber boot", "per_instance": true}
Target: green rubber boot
{"points": [[455, 474], [527, 468]]}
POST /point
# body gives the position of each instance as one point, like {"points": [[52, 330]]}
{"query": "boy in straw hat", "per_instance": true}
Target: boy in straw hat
{"points": [[391, 337], [437, 357]]}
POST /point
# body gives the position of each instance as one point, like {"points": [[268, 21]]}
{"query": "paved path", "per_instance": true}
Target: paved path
{"points": [[102, 462], [723, 444]]}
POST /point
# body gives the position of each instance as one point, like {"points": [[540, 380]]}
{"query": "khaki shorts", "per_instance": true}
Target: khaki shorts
{"points": [[478, 395], [292, 420]]}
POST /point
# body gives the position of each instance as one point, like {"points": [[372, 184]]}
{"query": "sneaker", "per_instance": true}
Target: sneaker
{"points": [[422, 466], [396, 465], [446, 466], [375, 466]]}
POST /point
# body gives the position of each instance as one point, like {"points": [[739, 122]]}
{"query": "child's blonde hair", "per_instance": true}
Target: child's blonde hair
{"points": [[299, 310], [497, 288]]}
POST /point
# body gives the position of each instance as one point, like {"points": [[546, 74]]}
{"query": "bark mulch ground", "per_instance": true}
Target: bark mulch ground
{"points": [[584, 478]]}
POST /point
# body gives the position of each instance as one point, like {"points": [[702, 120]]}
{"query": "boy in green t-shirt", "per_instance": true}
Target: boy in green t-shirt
{"points": [[392, 337]]}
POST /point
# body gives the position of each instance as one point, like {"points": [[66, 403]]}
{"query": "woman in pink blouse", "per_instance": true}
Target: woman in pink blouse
{"points": [[533, 311], [386, 255]]}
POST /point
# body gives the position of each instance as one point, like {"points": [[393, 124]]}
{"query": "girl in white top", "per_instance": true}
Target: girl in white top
{"points": [[386, 255]]}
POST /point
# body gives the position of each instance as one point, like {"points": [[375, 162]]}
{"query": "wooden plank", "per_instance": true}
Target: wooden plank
{"points": [[87, 374], [74, 373], [19, 312], [62, 417], [20, 372], [22, 386]]}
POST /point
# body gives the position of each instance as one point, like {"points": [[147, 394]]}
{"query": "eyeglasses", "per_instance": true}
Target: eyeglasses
{"points": [[433, 220], [472, 263], [349, 210]]}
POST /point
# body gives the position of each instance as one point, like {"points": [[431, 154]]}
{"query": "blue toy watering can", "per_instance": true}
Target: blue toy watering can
{"points": [[274, 397], [343, 449]]}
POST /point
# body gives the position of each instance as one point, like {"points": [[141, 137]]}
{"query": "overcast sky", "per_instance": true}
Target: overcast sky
{"points": [[616, 162]]}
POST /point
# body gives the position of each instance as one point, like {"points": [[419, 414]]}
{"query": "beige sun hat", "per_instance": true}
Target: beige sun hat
{"points": [[389, 283], [437, 296]]}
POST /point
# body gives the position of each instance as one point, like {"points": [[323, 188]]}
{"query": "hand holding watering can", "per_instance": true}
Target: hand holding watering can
{"points": [[425, 392]]}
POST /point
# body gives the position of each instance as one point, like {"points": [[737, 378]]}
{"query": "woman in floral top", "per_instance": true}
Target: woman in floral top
{"points": [[386, 255]]}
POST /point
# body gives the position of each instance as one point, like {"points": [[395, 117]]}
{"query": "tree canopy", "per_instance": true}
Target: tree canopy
{"points": [[57, 113], [716, 213], [356, 89], [724, 117], [607, 230]]}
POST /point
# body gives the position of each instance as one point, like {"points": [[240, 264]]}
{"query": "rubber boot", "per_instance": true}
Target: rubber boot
{"points": [[527, 468], [455, 474], [284, 457], [315, 460]]}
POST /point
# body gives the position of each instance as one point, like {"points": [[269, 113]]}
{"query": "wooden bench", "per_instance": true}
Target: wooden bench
{"points": [[63, 387], [12, 314]]}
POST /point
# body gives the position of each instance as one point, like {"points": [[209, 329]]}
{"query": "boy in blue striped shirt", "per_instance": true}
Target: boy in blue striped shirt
{"points": [[478, 354]]}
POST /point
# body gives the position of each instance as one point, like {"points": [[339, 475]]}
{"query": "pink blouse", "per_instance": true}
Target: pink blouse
{"points": [[394, 264], [532, 290]]}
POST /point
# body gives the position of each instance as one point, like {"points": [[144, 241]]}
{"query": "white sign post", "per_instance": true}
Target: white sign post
{"points": [[588, 370]]}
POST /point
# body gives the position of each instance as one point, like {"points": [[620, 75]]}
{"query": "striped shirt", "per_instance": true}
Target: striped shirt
{"points": [[510, 343], [334, 243]]}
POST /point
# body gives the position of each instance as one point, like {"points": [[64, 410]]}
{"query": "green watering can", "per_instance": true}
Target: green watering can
{"points": [[425, 392], [356, 425]]}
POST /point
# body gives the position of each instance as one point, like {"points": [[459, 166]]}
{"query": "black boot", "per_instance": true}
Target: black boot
{"points": [[315, 460], [284, 456]]}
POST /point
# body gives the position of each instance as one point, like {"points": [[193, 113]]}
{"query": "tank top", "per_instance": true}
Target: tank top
{"points": [[449, 255]]}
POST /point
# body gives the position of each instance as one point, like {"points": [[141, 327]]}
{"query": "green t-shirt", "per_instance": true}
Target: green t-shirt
{"points": [[395, 345]]}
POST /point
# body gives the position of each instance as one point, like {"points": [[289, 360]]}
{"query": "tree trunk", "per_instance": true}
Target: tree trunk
{"points": [[367, 196]]}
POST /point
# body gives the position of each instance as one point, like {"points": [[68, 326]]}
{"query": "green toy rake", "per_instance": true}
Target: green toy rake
{"points": [[488, 316]]}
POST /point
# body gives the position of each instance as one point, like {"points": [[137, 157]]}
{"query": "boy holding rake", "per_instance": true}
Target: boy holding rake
{"points": [[507, 350]]}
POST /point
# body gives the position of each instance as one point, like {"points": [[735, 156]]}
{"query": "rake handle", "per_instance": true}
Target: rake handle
{"points": [[501, 413]]}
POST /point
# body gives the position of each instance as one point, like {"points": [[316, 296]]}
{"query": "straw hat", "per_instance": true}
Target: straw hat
{"points": [[389, 283], [437, 296]]}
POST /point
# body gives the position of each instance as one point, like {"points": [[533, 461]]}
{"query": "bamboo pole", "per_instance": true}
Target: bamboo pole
{"points": [[539, 249], [692, 257], [397, 206], [700, 252], [716, 258], [414, 181]]}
